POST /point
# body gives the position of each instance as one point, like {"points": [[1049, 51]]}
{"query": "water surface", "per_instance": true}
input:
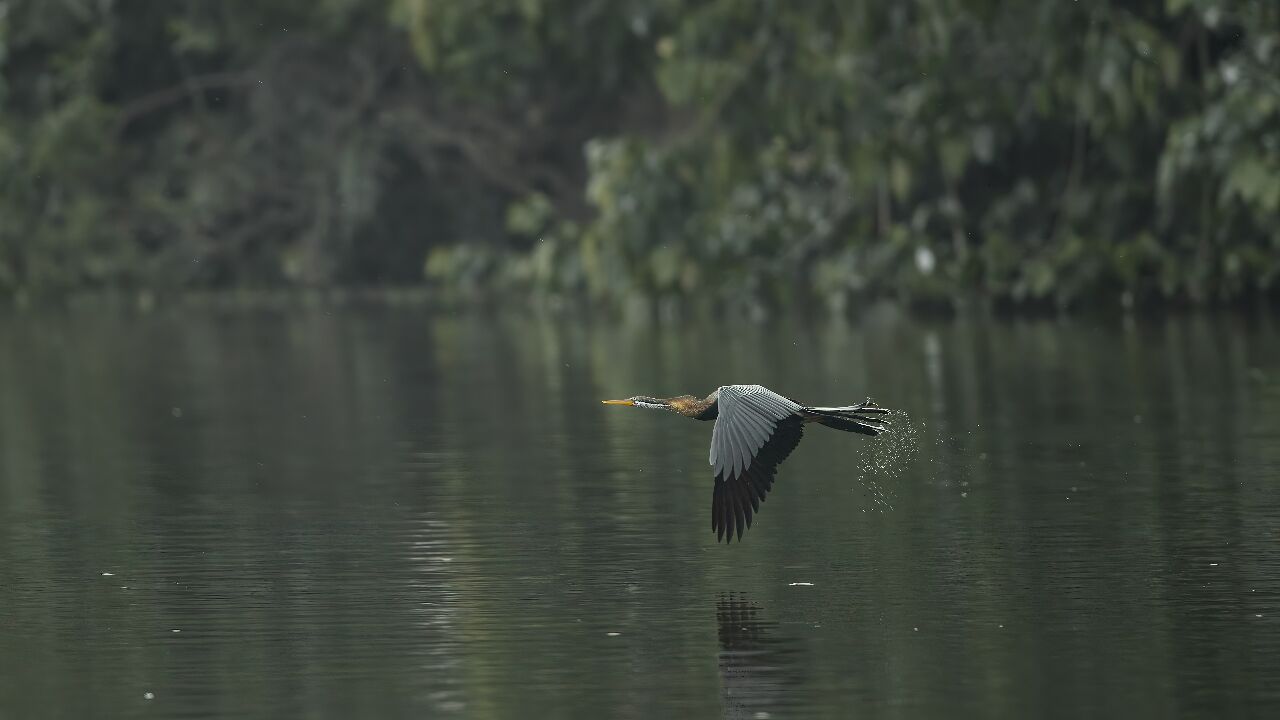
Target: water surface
{"points": [[400, 513]]}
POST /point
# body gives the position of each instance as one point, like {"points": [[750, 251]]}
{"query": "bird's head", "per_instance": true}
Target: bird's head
{"points": [[643, 401]]}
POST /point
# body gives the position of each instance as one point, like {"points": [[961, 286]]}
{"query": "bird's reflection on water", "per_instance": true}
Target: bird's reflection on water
{"points": [[760, 666]]}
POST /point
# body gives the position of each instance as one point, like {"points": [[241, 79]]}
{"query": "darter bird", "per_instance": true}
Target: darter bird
{"points": [[756, 429]]}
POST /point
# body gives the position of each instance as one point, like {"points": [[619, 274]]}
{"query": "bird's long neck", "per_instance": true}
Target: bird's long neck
{"points": [[696, 408]]}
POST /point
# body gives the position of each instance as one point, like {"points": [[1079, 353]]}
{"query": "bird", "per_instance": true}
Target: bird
{"points": [[756, 429]]}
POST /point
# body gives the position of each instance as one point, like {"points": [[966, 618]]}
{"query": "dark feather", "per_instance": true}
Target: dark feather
{"points": [[735, 500], [861, 418]]}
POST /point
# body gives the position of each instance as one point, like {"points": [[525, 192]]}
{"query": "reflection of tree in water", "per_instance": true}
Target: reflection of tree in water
{"points": [[760, 670]]}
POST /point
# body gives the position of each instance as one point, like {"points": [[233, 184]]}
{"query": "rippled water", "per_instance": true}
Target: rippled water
{"points": [[389, 513]]}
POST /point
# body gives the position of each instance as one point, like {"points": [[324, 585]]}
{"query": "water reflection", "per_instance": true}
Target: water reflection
{"points": [[760, 666], [401, 513]]}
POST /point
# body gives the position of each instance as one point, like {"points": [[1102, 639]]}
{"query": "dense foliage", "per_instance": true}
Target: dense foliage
{"points": [[746, 151]]}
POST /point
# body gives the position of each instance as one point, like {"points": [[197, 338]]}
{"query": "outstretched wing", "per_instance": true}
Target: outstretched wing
{"points": [[756, 429]]}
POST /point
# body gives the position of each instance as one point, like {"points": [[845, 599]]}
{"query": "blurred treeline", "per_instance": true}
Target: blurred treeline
{"points": [[742, 151]]}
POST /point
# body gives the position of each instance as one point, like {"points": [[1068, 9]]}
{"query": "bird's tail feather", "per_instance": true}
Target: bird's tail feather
{"points": [[866, 418]]}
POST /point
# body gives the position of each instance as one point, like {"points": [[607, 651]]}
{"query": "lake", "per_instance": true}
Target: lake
{"points": [[339, 513]]}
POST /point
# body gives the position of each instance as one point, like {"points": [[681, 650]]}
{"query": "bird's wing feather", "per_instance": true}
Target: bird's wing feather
{"points": [[755, 430], [736, 497], [746, 417]]}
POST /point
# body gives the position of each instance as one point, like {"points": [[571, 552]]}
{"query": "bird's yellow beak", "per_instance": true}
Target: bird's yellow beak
{"points": [[617, 402]]}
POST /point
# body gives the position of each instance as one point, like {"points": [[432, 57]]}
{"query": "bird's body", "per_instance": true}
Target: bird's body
{"points": [[756, 429]]}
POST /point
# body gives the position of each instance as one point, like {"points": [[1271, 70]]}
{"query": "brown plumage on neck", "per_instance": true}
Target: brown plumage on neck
{"points": [[690, 406]]}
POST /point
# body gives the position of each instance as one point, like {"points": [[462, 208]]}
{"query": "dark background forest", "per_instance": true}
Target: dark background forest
{"points": [[741, 152]]}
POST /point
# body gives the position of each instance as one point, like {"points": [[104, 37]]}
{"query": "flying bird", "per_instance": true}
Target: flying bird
{"points": [[756, 429]]}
